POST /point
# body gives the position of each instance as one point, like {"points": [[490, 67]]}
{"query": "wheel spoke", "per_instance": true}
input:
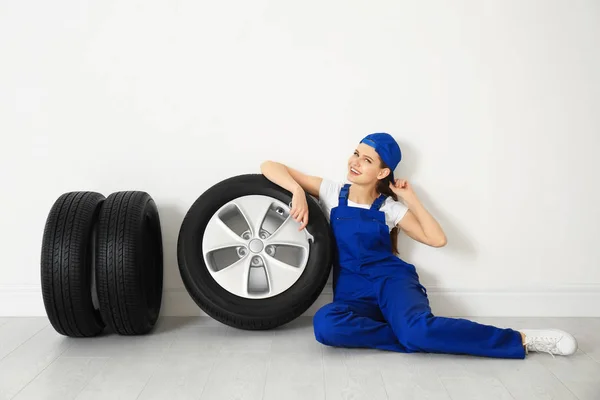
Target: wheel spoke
{"points": [[234, 278], [258, 282], [281, 275], [288, 233], [254, 209], [219, 236]]}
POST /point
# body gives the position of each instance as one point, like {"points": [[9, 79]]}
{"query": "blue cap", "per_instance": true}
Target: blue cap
{"points": [[387, 148]]}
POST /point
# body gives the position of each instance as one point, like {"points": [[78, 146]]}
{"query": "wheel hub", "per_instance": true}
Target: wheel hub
{"points": [[256, 245]]}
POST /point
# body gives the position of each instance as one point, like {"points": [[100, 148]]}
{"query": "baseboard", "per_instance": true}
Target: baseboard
{"points": [[557, 301]]}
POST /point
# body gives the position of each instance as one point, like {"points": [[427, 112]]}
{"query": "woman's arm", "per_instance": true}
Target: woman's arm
{"points": [[297, 183], [290, 179], [418, 223]]}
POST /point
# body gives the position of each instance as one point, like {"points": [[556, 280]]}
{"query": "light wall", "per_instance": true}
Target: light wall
{"points": [[495, 104]]}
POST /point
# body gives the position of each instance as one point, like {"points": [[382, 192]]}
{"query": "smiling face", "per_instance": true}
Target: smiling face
{"points": [[364, 166]]}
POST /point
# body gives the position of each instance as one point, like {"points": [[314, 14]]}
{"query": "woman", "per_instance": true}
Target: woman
{"points": [[378, 300]]}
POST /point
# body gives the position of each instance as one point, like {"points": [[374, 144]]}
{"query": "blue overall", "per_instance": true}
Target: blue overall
{"points": [[379, 303]]}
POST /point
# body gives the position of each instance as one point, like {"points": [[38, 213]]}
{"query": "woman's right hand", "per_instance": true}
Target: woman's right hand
{"points": [[299, 207]]}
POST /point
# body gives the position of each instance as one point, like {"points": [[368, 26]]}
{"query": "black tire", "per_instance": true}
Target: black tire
{"points": [[66, 264], [237, 311], [129, 263]]}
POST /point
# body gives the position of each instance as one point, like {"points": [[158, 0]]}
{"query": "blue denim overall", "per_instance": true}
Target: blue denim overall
{"points": [[379, 303]]}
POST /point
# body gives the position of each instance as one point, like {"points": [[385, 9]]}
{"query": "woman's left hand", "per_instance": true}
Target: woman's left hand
{"points": [[404, 189]]}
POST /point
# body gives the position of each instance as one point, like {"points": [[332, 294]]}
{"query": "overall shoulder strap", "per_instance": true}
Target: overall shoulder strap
{"points": [[343, 198], [378, 202]]}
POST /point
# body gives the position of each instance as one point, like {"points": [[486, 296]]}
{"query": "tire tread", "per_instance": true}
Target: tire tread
{"points": [[122, 296], [65, 268]]}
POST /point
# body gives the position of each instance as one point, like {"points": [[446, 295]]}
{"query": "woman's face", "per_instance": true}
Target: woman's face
{"points": [[364, 165]]}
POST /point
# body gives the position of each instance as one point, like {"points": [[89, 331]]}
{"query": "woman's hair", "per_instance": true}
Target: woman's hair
{"points": [[383, 187]]}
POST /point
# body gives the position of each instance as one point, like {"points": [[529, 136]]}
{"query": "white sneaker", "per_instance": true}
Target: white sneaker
{"points": [[551, 341]]}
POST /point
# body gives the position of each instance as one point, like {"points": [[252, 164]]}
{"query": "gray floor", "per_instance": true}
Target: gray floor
{"points": [[198, 358]]}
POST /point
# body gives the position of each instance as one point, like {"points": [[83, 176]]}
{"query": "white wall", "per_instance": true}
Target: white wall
{"points": [[495, 105]]}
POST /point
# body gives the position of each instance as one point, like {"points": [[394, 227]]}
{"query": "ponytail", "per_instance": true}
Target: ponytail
{"points": [[383, 187]]}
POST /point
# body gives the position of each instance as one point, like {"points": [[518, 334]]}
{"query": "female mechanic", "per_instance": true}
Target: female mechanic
{"points": [[378, 300]]}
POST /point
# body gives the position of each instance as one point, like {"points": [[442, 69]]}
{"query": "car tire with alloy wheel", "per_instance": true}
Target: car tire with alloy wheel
{"points": [[243, 259]]}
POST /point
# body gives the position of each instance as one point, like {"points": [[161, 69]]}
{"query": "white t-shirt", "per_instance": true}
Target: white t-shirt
{"points": [[329, 193]]}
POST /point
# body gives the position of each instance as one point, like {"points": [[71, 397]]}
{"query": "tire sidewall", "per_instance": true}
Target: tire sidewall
{"points": [[149, 280]]}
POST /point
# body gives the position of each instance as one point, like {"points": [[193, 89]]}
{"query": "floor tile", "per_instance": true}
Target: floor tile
{"points": [[120, 379], [579, 373], [296, 337], [295, 376], [238, 376], [198, 340], [178, 378], [347, 378], [23, 364], [412, 376], [16, 331], [476, 389], [63, 379]]}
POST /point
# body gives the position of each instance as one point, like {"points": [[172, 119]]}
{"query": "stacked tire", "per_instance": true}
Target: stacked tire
{"points": [[102, 264]]}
